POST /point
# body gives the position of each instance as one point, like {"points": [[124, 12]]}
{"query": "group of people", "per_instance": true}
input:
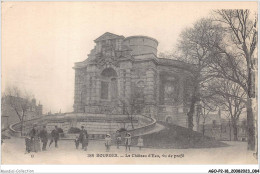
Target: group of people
{"points": [[127, 143], [37, 136], [82, 138]]}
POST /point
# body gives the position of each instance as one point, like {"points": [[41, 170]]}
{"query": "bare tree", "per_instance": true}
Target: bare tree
{"points": [[235, 58], [206, 109], [19, 101], [231, 98], [227, 115], [133, 105], [194, 49]]}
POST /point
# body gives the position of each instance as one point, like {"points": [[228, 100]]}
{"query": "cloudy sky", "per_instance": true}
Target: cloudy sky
{"points": [[42, 40]]}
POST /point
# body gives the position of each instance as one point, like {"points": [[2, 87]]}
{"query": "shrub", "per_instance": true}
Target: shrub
{"points": [[122, 130]]}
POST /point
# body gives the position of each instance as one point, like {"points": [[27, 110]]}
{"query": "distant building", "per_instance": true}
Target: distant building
{"points": [[9, 115], [119, 67]]}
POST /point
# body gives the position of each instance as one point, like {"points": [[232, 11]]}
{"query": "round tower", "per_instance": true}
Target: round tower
{"points": [[141, 45]]}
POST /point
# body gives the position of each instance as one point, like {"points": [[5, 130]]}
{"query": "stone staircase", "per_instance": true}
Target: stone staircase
{"points": [[96, 125]]}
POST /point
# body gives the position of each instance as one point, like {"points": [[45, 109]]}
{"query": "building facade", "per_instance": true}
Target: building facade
{"points": [[123, 71], [9, 115]]}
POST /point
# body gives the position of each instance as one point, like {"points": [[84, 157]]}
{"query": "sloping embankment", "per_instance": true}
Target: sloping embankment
{"points": [[177, 137]]}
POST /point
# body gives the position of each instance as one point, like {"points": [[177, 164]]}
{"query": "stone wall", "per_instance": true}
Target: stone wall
{"points": [[141, 45], [95, 124], [139, 72]]}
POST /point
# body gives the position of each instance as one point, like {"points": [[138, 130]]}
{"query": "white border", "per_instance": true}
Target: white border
{"points": [[123, 168]]}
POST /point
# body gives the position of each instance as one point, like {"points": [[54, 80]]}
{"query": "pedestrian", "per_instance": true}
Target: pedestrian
{"points": [[140, 142], [27, 144], [118, 139], [34, 138], [44, 138], [85, 142], [83, 137], [55, 136], [127, 141], [108, 142], [37, 141], [77, 142]]}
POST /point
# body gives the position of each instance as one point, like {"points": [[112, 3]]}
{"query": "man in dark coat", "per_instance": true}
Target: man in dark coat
{"points": [[83, 137], [33, 132], [55, 136], [44, 138], [33, 135]]}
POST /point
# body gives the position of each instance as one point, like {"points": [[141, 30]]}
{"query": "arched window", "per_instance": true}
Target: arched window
{"points": [[109, 89], [140, 89], [104, 90], [113, 88]]}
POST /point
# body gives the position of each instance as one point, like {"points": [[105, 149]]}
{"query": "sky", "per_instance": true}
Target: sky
{"points": [[41, 41]]}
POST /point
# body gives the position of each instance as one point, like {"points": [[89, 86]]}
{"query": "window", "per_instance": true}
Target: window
{"points": [[113, 88], [108, 84], [124, 81], [140, 89], [104, 90]]}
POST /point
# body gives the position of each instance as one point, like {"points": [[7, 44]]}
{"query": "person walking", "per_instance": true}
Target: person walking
{"points": [[55, 136], [44, 138], [127, 141], [118, 139], [108, 142], [37, 141], [83, 138], [33, 136], [27, 144], [85, 142], [76, 142], [140, 142]]}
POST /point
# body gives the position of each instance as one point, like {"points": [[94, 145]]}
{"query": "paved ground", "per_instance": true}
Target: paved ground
{"points": [[13, 153]]}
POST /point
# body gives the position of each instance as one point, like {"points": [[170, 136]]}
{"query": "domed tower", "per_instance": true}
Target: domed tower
{"points": [[141, 45]]}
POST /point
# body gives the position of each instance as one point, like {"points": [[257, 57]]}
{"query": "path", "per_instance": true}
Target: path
{"points": [[13, 153]]}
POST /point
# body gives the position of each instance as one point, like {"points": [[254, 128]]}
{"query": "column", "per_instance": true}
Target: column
{"points": [[87, 87], [98, 88], [181, 94], [150, 93], [181, 90], [79, 74], [76, 91], [91, 88], [94, 87], [128, 83], [150, 86]]}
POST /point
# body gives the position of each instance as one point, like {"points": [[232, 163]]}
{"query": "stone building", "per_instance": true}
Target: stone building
{"points": [[9, 115], [127, 69]]}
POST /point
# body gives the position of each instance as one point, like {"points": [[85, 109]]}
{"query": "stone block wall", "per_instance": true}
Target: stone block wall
{"points": [[135, 63], [141, 45]]}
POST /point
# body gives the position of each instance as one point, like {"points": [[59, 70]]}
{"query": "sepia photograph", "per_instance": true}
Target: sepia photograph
{"points": [[137, 83]]}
